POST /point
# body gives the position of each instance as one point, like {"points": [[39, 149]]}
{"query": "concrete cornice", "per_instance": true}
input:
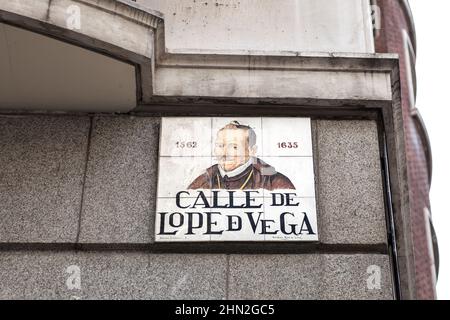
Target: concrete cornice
{"points": [[128, 9], [140, 40]]}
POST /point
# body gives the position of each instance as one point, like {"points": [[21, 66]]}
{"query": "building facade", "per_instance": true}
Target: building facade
{"points": [[397, 34], [100, 99]]}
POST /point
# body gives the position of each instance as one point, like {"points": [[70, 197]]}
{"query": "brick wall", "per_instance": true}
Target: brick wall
{"points": [[390, 40]]}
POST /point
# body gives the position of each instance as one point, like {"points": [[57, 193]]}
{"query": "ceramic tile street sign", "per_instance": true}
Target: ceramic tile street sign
{"points": [[236, 179]]}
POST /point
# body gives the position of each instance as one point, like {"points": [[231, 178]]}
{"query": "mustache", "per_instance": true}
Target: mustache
{"points": [[225, 158]]}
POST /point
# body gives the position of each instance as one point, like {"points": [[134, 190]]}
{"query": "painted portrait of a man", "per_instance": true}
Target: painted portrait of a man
{"points": [[238, 167]]}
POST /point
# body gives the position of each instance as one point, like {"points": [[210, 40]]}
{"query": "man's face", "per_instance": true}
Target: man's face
{"points": [[232, 149]]}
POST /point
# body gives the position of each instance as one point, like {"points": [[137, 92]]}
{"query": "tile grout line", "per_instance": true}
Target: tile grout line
{"points": [[262, 148], [315, 127], [83, 188], [211, 158], [227, 279]]}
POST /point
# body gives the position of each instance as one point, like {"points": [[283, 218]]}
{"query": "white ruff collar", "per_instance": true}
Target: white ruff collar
{"points": [[237, 171]]}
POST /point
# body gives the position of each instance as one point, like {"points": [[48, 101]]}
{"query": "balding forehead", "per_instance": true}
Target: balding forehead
{"points": [[248, 134], [224, 131]]}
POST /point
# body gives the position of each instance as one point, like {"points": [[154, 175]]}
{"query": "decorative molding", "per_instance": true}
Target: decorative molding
{"points": [[128, 9], [157, 58], [425, 139], [410, 20]]}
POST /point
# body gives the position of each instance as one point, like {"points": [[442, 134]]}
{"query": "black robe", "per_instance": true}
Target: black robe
{"points": [[258, 175]]}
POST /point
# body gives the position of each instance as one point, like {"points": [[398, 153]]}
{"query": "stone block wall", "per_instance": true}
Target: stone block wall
{"points": [[80, 191]]}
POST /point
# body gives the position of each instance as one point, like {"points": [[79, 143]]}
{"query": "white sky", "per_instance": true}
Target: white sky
{"points": [[433, 67]]}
